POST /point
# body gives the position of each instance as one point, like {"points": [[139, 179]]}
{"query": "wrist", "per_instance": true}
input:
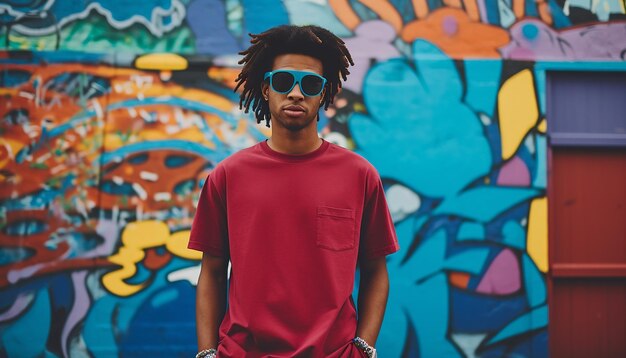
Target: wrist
{"points": [[207, 353], [361, 344]]}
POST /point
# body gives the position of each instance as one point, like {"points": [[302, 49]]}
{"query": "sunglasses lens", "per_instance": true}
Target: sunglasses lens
{"points": [[312, 85], [282, 81]]}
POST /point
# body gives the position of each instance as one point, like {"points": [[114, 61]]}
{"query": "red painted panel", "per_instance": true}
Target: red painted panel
{"points": [[588, 270], [587, 290], [590, 318], [588, 209]]}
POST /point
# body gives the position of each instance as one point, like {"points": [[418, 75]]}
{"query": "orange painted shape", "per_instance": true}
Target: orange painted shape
{"points": [[472, 9], [453, 3], [344, 13], [154, 261], [544, 13], [459, 279], [420, 7], [386, 11], [456, 34], [518, 8], [165, 75], [226, 76]]}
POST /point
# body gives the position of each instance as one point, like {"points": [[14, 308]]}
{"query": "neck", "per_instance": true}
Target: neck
{"points": [[295, 143]]}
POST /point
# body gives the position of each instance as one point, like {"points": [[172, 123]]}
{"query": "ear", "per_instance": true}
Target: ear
{"points": [[322, 95], [265, 89]]}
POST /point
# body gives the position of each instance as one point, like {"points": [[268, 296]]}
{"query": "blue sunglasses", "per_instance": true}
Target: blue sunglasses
{"points": [[283, 81]]}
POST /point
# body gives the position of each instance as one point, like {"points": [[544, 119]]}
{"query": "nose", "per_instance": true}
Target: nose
{"points": [[295, 93]]}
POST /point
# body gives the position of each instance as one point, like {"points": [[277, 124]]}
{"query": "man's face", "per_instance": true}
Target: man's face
{"points": [[294, 111]]}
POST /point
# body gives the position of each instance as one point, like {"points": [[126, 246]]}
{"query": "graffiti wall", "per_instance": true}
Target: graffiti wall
{"points": [[515, 29], [104, 149]]}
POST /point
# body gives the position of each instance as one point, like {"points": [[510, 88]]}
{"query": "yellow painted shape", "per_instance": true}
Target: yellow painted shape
{"points": [[242, 127], [177, 245], [518, 112], [112, 141], [14, 146], [8, 92], [145, 234], [153, 134], [161, 61], [137, 237], [543, 126], [211, 99], [114, 281], [537, 244], [190, 134]]}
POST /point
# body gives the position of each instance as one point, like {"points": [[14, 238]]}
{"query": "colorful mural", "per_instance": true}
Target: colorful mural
{"points": [[102, 166], [103, 151], [96, 161], [537, 29]]}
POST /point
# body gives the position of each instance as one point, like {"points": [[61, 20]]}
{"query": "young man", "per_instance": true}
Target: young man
{"points": [[295, 215]]}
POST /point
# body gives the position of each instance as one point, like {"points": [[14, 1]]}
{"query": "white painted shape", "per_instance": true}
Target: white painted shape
{"points": [[44, 157], [190, 274], [337, 138], [162, 196], [57, 169], [140, 191], [98, 109], [171, 129], [485, 119], [149, 176], [402, 201], [468, 342], [27, 95], [81, 131]]}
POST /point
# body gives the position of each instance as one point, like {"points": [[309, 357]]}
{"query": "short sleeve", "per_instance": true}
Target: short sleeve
{"points": [[378, 234], [209, 230]]}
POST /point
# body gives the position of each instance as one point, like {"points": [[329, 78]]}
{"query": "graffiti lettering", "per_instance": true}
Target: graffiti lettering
{"points": [[136, 239]]}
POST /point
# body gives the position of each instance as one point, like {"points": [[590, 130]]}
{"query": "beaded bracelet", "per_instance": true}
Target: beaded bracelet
{"points": [[207, 353], [366, 348]]}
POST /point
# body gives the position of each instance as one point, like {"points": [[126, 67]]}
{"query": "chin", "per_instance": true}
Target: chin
{"points": [[295, 125]]}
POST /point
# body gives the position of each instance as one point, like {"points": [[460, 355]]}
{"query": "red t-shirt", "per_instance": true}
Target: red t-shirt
{"points": [[294, 228]]}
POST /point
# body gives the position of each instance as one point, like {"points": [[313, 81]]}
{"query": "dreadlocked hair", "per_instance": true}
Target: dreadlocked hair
{"points": [[309, 40]]}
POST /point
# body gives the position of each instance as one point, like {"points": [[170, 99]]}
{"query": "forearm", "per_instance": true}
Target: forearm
{"points": [[372, 299], [210, 305]]}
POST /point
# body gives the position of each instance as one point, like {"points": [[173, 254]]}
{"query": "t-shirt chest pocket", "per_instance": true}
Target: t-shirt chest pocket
{"points": [[335, 228]]}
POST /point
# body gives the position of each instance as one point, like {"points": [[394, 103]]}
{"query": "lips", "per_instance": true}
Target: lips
{"points": [[293, 110]]}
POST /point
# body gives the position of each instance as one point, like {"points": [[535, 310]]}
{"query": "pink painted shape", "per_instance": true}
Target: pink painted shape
{"points": [[450, 25], [503, 276], [373, 40], [600, 41], [514, 173]]}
